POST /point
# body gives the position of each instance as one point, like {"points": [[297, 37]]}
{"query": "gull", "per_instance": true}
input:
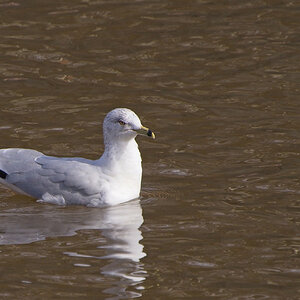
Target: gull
{"points": [[112, 179]]}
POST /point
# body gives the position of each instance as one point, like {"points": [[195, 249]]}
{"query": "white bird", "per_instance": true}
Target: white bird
{"points": [[112, 179]]}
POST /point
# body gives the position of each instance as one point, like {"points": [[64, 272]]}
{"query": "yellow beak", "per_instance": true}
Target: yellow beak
{"points": [[146, 131]]}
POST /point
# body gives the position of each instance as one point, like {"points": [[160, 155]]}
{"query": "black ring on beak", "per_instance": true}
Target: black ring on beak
{"points": [[149, 132]]}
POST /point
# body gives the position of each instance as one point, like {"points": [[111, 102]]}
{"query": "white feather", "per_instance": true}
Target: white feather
{"points": [[112, 179]]}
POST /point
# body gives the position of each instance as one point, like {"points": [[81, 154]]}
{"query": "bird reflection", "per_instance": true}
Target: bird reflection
{"points": [[119, 225]]}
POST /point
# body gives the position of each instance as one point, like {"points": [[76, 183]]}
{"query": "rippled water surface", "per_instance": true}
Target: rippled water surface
{"points": [[218, 82]]}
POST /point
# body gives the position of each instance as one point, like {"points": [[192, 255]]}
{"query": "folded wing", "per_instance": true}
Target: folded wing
{"points": [[35, 174]]}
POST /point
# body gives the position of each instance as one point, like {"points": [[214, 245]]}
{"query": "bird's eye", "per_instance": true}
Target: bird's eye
{"points": [[121, 123]]}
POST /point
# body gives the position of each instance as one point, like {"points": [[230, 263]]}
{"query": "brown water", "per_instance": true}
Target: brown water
{"points": [[218, 82]]}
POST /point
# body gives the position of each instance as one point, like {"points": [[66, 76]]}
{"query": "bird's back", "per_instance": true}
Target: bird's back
{"points": [[32, 173], [17, 159]]}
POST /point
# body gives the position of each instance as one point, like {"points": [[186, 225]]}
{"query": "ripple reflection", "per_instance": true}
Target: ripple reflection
{"points": [[119, 226]]}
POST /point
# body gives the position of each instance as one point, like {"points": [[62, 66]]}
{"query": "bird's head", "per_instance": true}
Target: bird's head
{"points": [[124, 124]]}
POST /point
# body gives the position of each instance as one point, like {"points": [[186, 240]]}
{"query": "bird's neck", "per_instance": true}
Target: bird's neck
{"points": [[122, 157]]}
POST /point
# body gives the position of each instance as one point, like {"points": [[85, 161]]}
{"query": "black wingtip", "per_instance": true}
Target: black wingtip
{"points": [[3, 174]]}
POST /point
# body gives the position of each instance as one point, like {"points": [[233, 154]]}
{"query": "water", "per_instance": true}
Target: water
{"points": [[218, 82]]}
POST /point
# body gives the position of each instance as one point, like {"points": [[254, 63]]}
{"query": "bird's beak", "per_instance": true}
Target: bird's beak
{"points": [[146, 131]]}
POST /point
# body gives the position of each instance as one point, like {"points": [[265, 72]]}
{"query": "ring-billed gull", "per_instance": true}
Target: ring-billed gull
{"points": [[112, 179]]}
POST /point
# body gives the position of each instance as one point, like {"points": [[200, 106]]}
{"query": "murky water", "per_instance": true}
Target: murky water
{"points": [[218, 82]]}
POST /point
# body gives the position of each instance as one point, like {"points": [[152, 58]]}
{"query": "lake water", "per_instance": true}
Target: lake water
{"points": [[218, 82]]}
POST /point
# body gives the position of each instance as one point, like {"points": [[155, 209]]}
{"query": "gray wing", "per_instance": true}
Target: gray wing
{"points": [[72, 174], [36, 174], [17, 162], [17, 159]]}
